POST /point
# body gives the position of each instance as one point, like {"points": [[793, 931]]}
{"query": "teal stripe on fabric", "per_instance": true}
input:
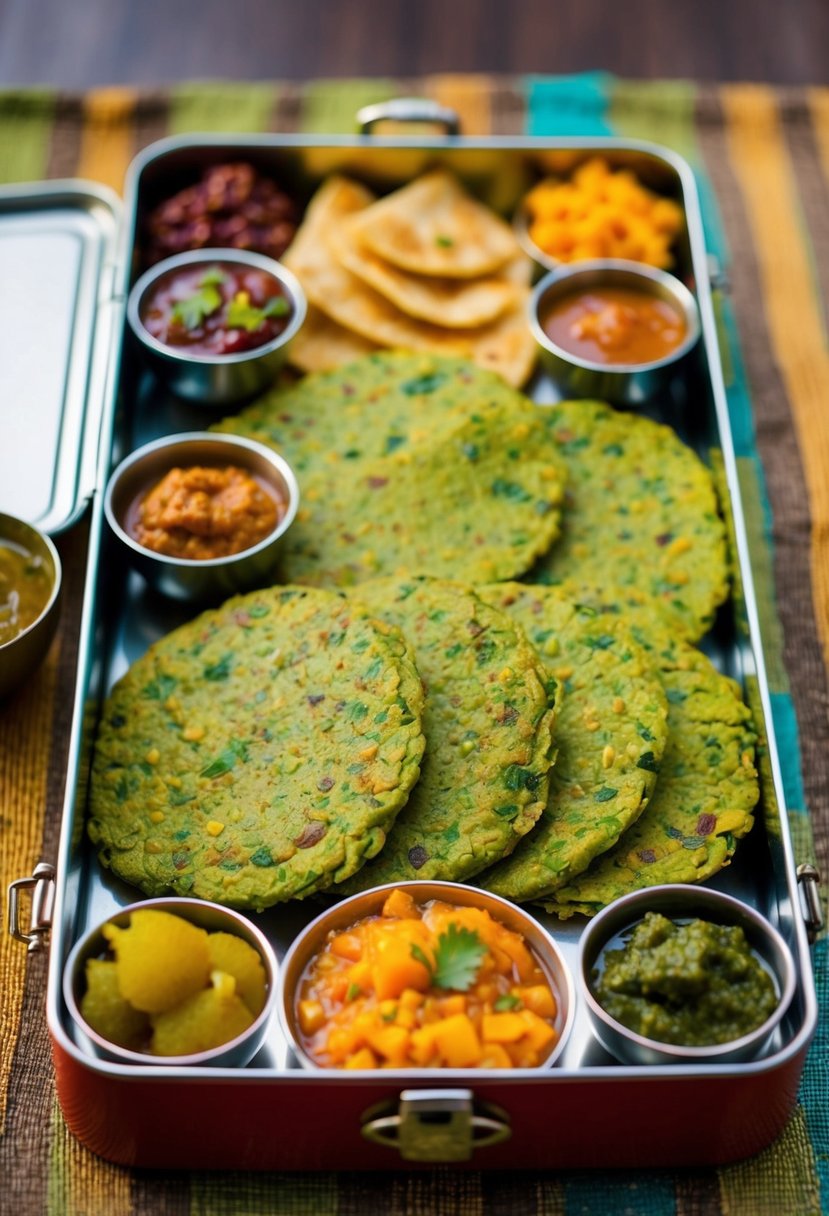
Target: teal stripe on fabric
{"points": [[788, 745], [568, 105], [814, 1085], [622, 1194]]}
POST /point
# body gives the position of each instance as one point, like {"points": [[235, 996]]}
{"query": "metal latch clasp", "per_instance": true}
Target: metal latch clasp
{"points": [[42, 886], [808, 879], [436, 1125]]}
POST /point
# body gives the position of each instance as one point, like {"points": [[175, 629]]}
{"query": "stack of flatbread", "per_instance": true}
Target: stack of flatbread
{"points": [[426, 268]]}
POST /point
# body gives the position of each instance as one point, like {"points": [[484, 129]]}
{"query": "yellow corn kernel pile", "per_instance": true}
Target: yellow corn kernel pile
{"points": [[602, 213]]}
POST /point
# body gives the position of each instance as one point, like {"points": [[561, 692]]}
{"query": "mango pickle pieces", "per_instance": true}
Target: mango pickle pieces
{"points": [[173, 989], [205, 1020], [162, 959]]}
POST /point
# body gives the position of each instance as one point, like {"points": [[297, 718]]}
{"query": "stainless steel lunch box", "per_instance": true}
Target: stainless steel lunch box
{"points": [[587, 1111]]}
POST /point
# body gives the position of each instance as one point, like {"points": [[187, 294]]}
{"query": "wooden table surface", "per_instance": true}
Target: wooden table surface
{"points": [[75, 44]]}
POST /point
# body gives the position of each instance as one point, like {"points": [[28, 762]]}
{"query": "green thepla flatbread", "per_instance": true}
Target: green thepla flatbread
{"points": [[705, 793], [258, 753], [640, 511], [611, 732], [411, 463], [487, 721]]}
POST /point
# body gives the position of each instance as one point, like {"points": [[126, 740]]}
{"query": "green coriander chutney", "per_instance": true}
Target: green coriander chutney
{"points": [[691, 984]]}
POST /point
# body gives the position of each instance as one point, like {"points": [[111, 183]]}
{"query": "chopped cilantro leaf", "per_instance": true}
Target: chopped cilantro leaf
{"points": [[458, 956]]}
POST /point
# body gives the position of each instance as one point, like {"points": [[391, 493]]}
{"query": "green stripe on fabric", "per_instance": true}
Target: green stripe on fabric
{"points": [[623, 1194], [26, 119], [568, 105], [332, 105], [251, 1194], [781, 1181], [216, 106], [757, 515], [662, 111]]}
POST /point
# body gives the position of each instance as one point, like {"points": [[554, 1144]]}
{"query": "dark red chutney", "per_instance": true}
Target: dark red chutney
{"points": [[220, 308]]}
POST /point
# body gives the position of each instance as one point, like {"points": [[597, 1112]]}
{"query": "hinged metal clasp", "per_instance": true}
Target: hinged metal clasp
{"points": [[42, 886], [718, 276], [436, 1125], [808, 878]]}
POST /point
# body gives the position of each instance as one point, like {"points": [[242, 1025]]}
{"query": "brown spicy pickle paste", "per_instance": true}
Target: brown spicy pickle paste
{"points": [[201, 513]]}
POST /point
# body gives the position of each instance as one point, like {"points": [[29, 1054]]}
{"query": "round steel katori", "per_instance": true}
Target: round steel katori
{"points": [[209, 579], [681, 903], [348, 911], [209, 916], [22, 655], [627, 384], [220, 379]]}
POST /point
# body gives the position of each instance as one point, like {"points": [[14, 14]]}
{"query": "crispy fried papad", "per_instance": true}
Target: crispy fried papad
{"points": [[258, 753], [611, 732], [705, 793], [433, 227], [487, 721], [641, 511], [503, 345], [411, 463]]}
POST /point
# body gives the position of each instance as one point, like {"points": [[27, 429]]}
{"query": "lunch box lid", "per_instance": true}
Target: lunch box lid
{"points": [[60, 329]]}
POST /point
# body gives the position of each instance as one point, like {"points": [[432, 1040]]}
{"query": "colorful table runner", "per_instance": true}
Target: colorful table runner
{"points": [[762, 160]]}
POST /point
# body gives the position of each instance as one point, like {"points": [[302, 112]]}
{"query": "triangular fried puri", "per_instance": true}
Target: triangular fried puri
{"points": [[505, 346], [433, 227], [323, 344], [459, 303]]}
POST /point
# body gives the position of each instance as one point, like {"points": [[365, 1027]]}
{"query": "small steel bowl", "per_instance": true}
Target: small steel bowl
{"points": [[24, 653], [216, 379], [541, 261], [684, 903], [370, 903], [620, 383], [213, 578], [212, 917]]}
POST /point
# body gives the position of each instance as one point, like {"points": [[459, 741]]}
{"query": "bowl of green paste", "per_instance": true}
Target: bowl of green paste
{"points": [[680, 974]]}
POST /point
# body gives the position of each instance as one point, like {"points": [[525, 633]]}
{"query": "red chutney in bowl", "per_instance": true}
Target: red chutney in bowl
{"points": [[221, 308]]}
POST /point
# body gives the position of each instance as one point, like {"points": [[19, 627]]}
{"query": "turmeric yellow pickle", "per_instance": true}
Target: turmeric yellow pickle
{"points": [[426, 986]]}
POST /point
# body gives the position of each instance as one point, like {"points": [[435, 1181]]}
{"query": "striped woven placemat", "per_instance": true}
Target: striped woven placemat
{"points": [[762, 159]]}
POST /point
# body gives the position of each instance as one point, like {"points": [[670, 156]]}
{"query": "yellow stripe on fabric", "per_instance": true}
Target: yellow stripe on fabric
{"points": [[775, 1182], [469, 96], [108, 135], [81, 1184], [216, 106], [758, 155], [25, 744]]}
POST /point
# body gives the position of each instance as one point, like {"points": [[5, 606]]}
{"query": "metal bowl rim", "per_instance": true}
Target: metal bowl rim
{"points": [[566, 989], [243, 257], [56, 581], [276, 459], [709, 1053], [681, 295], [163, 903]]}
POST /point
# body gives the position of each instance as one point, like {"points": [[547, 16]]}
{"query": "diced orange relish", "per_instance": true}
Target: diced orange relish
{"points": [[369, 1000]]}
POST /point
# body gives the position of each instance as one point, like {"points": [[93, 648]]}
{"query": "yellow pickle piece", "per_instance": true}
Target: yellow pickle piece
{"points": [[205, 1020], [161, 958], [106, 1011], [238, 958]]}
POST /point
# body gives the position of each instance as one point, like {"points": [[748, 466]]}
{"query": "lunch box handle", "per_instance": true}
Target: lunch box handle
{"points": [[42, 885], [409, 109], [436, 1126]]}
